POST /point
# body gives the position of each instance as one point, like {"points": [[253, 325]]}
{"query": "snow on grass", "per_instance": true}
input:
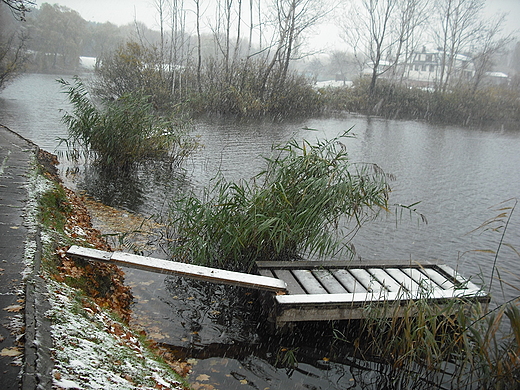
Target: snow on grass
{"points": [[93, 351], [36, 186]]}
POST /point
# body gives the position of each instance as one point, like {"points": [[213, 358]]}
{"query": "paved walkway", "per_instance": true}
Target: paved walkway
{"points": [[21, 305], [15, 156]]}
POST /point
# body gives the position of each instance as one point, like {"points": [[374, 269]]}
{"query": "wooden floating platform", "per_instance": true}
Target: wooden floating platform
{"points": [[321, 290], [335, 290]]}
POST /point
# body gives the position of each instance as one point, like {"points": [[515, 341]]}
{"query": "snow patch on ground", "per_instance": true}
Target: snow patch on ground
{"points": [[92, 351]]}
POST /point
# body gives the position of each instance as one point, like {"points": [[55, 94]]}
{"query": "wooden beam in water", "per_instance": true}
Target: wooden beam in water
{"points": [[191, 271]]}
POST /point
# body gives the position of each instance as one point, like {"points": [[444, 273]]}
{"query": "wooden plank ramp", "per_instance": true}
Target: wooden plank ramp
{"points": [[339, 290], [152, 264]]}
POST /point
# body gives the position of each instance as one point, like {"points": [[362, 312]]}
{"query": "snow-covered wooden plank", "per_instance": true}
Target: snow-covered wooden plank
{"points": [[438, 278], [366, 279], [369, 297], [328, 281], [464, 283], [89, 253], [385, 279], [308, 281], [403, 279], [348, 281], [426, 285], [188, 270]]}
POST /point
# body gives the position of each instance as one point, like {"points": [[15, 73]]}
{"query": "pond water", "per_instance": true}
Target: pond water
{"points": [[460, 176]]}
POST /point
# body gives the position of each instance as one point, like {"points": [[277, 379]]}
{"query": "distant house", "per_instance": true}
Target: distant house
{"points": [[496, 78], [383, 67], [425, 68]]}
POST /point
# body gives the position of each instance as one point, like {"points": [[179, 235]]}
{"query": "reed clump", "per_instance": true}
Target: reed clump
{"points": [[123, 131], [291, 208], [454, 344]]}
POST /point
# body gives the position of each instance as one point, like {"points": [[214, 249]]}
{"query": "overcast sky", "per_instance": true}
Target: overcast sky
{"points": [[122, 12]]}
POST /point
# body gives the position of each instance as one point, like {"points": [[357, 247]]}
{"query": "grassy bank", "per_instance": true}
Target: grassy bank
{"points": [[93, 346]]}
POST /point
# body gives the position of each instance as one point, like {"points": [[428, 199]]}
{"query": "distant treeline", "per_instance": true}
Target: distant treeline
{"points": [[225, 72], [458, 106]]}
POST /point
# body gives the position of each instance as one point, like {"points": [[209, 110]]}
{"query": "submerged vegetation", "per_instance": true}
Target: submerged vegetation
{"points": [[447, 344], [294, 207], [453, 345]]}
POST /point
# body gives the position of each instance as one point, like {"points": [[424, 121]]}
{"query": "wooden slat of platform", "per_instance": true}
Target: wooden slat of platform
{"points": [[403, 279], [385, 279], [293, 286], [309, 283], [348, 281], [425, 283], [331, 284], [266, 272], [188, 270], [459, 278], [439, 279], [371, 297], [367, 280], [333, 264]]}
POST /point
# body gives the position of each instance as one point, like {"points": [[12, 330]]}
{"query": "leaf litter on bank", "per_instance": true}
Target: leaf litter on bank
{"points": [[92, 347]]}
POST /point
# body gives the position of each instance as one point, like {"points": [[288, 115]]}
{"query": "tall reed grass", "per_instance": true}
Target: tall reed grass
{"points": [[455, 344], [123, 131], [293, 207]]}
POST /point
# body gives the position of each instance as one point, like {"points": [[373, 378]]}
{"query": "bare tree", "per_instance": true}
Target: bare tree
{"points": [[160, 6], [13, 40], [19, 7], [411, 18], [489, 43], [13, 52], [199, 45], [383, 32], [293, 18], [459, 28]]}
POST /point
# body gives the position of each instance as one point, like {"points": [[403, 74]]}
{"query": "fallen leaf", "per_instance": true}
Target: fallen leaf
{"points": [[202, 377], [10, 352], [13, 308], [15, 227], [157, 336], [243, 381]]}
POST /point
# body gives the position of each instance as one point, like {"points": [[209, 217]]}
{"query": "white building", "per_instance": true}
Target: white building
{"points": [[425, 68]]}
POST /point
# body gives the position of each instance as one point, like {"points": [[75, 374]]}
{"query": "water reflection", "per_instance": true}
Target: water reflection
{"points": [[114, 187], [131, 187]]}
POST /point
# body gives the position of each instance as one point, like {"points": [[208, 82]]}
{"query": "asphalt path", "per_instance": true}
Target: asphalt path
{"points": [[25, 343]]}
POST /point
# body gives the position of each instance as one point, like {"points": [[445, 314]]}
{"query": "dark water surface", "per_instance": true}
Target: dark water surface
{"points": [[459, 176]]}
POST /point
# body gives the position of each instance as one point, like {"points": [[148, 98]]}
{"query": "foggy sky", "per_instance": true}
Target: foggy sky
{"points": [[122, 12]]}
